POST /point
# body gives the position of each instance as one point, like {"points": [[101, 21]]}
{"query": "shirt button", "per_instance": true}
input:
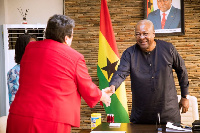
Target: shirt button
{"points": [[149, 53], [152, 77], [149, 64]]}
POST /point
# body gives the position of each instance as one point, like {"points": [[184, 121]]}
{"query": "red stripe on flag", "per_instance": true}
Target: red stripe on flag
{"points": [[106, 26]]}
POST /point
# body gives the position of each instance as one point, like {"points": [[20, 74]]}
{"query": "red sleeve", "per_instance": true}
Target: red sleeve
{"points": [[88, 90]]}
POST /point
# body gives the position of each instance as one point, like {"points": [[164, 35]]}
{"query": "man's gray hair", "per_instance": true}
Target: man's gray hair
{"points": [[145, 21]]}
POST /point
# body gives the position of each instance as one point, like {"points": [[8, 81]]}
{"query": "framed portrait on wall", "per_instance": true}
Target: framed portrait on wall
{"points": [[166, 15]]}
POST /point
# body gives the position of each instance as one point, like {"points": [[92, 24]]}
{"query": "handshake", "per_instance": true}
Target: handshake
{"points": [[106, 93]]}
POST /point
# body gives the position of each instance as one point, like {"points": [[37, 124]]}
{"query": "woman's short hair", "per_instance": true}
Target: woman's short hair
{"points": [[58, 27], [20, 46]]}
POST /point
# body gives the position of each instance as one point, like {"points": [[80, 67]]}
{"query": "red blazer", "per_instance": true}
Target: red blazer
{"points": [[53, 77]]}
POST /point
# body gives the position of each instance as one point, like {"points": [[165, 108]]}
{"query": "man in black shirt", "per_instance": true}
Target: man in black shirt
{"points": [[149, 63]]}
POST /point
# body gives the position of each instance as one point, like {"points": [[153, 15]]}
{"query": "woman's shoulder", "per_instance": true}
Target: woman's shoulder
{"points": [[14, 69]]}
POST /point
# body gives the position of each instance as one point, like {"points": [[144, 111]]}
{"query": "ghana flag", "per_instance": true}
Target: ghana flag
{"points": [[149, 7], [108, 61]]}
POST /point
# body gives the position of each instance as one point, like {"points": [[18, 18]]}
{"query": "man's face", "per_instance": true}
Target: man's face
{"points": [[145, 35], [164, 5]]}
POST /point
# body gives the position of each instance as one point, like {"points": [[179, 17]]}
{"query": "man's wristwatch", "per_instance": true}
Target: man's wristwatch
{"points": [[185, 96]]}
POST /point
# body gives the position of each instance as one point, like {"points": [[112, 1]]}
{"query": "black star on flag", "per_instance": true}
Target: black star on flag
{"points": [[110, 68]]}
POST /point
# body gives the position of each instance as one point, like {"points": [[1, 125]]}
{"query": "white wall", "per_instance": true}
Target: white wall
{"points": [[2, 79], [39, 10], [2, 12]]}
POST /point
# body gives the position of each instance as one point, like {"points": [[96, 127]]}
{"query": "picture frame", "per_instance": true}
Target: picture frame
{"points": [[174, 24]]}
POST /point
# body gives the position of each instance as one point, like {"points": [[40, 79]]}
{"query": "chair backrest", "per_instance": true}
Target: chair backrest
{"points": [[3, 123], [192, 114]]}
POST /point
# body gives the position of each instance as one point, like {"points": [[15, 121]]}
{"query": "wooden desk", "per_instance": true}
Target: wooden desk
{"points": [[129, 128]]}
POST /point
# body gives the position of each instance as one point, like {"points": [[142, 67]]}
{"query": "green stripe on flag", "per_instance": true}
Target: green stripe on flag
{"points": [[103, 83]]}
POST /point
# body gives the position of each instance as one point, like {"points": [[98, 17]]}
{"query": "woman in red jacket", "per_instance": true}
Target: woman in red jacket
{"points": [[53, 78]]}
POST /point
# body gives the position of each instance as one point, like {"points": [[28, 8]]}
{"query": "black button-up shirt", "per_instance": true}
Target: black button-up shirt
{"points": [[152, 82]]}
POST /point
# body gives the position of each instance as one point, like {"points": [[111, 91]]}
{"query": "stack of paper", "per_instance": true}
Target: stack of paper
{"points": [[171, 128], [115, 124]]}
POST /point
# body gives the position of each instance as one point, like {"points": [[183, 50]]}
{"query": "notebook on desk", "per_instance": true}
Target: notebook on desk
{"points": [[170, 127]]}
